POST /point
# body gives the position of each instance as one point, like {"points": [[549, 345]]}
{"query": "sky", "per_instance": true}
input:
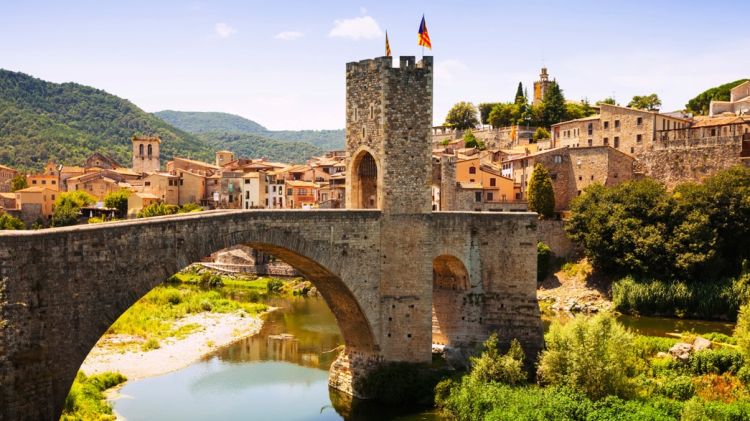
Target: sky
{"points": [[282, 63]]}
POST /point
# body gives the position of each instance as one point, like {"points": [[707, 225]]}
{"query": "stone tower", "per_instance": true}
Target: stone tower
{"points": [[224, 157], [388, 124], [540, 86], [146, 154]]}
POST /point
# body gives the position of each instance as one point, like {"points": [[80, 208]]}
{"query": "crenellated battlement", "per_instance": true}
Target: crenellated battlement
{"points": [[386, 63]]}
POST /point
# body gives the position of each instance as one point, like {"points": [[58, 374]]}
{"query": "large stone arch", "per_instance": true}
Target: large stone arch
{"points": [[450, 285], [365, 180], [81, 279]]}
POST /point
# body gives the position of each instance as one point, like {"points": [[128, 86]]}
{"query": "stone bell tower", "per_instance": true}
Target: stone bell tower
{"points": [[388, 141]]}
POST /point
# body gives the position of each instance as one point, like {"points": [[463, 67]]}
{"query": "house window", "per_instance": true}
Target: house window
{"points": [[44, 181], [591, 129], [150, 151], [558, 159], [638, 138], [147, 183], [606, 141], [632, 149], [33, 181], [489, 196], [288, 192], [639, 121], [472, 170], [617, 124], [492, 182], [52, 182], [140, 150], [617, 141], [580, 178], [518, 196], [553, 177], [247, 195], [478, 196], [606, 124], [53, 197], [181, 182], [591, 142], [713, 132], [592, 178]]}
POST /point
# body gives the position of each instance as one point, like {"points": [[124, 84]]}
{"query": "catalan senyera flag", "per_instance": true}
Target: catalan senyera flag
{"points": [[387, 45], [423, 38]]}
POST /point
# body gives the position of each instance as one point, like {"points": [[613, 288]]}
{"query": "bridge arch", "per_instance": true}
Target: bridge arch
{"points": [[450, 283]]}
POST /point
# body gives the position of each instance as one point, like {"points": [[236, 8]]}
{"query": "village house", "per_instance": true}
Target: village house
{"points": [[473, 183], [7, 201], [738, 104], [254, 190], [301, 194], [223, 158], [139, 200], [36, 201], [6, 176]]}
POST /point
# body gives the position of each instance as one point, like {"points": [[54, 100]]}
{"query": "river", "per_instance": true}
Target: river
{"points": [[279, 374]]}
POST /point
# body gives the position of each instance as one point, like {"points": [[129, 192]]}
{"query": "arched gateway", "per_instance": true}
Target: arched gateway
{"points": [[60, 289]]}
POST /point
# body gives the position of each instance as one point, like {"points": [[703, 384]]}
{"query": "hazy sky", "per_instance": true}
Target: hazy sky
{"points": [[282, 63]]}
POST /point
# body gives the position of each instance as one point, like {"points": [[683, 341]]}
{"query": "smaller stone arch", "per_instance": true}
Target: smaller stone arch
{"points": [[364, 180], [450, 283]]}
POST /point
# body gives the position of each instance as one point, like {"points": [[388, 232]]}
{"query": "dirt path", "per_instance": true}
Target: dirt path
{"points": [[217, 330], [574, 288]]}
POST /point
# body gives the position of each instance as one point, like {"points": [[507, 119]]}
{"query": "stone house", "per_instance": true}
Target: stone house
{"points": [[139, 200], [6, 176], [254, 191], [191, 187], [99, 160], [301, 194], [472, 184], [39, 197], [164, 186]]}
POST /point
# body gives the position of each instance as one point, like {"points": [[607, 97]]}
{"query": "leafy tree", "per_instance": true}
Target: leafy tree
{"points": [[77, 198], [19, 182], [554, 105], [574, 111], [8, 222], [594, 355], [646, 102], [700, 104], [503, 115], [485, 108], [118, 200], [492, 366], [462, 116], [608, 100], [65, 214], [541, 133], [541, 196], [158, 209]]}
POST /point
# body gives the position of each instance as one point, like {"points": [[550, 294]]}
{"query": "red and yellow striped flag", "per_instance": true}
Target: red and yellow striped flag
{"points": [[387, 45], [423, 38]]}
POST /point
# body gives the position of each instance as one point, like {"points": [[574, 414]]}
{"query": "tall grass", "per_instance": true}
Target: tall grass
{"points": [[85, 401], [710, 300]]}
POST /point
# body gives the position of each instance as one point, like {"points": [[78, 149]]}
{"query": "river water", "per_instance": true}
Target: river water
{"points": [[279, 374], [282, 373]]}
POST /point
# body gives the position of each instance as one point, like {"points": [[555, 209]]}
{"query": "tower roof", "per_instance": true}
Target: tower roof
{"points": [[156, 139]]}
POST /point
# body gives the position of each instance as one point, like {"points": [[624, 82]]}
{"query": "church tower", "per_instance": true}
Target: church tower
{"points": [[540, 86], [146, 154], [388, 139]]}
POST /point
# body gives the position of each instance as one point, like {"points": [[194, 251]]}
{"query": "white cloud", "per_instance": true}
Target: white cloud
{"points": [[363, 27], [447, 70], [223, 30], [289, 35]]}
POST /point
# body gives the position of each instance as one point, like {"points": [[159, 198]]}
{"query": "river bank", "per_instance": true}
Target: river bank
{"points": [[213, 332]]}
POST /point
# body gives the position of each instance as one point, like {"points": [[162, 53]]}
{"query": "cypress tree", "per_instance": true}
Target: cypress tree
{"points": [[520, 97], [541, 196], [554, 105]]}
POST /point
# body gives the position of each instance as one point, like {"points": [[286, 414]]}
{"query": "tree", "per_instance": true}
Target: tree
{"points": [[608, 100], [554, 105], [646, 102], [492, 366], [19, 182], [462, 116], [485, 108], [541, 196], [77, 198], [65, 214], [118, 200], [700, 104], [596, 356], [541, 133], [504, 114], [8, 222], [158, 209], [471, 141], [520, 96], [742, 330], [574, 111]]}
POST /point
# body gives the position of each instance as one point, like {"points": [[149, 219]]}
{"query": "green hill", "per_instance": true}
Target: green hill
{"points": [[202, 122], [205, 122], [257, 146], [67, 122], [700, 104]]}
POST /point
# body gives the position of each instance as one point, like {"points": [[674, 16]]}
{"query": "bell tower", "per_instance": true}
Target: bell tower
{"points": [[146, 154], [388, 140]]}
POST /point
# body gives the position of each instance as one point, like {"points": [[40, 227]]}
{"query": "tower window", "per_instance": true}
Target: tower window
{"points": [[472, 170], [140, 149], [150, 151]]}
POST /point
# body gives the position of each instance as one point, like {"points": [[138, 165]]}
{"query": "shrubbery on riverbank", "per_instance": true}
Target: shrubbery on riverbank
{"points": [[593, 369], [85, 400]]}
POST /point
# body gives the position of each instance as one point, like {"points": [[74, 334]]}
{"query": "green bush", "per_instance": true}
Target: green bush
{"points": [[595, 355], [85, 400], [720, 338], [157, 209], [678, 387], [210, 280], [697, 409], [492, 366], [543, 260], [275, 286], [190, 207], [150, 344], [118, 200], [715, 361], [648, 346], [742, 330], [8, 222]]}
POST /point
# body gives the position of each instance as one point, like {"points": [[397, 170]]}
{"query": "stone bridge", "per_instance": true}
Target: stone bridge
{"points": [[60, 289]]}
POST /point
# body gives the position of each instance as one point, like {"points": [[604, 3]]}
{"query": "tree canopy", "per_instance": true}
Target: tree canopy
{"points": [[645, 102], [541, 196], [462, 116], [698, 232], [554, 110], [8, 222], [485, 108], [700, 104]]}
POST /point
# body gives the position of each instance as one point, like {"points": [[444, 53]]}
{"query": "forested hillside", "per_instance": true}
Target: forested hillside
{"points": [[257, 146], [66, 122], [204, 122], [700, 104]]}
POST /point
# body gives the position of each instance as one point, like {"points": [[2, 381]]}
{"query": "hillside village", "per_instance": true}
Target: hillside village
{"points": [[614, 145]]}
